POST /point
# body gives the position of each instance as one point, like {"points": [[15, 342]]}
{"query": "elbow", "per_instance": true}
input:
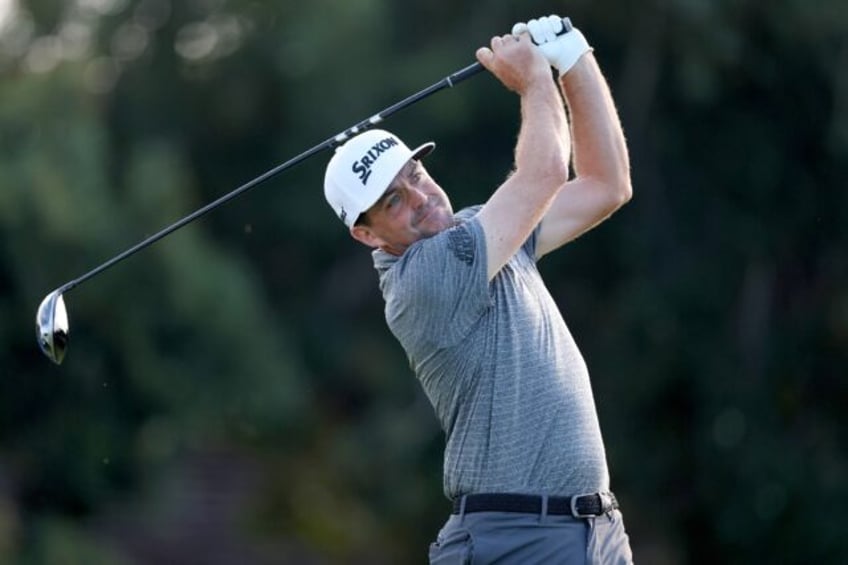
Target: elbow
{"points": [[624, 191], [553, 173], [559, 173], [618, 192], [621, 187]]}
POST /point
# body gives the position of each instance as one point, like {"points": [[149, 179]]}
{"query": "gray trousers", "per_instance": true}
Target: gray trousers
{"points": [[526, 539]]}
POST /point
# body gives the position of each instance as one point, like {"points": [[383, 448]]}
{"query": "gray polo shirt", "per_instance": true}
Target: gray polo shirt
{"points": [[499, 366]]}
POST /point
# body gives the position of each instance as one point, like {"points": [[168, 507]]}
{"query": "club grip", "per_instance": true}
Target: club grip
{"points": [[463, 74], [566, 27]]}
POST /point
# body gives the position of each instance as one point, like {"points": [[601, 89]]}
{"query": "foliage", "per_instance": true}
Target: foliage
{"points": [[236, 382]]}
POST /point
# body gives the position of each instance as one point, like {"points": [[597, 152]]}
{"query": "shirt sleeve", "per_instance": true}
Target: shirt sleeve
{"points": [[440, 288]]}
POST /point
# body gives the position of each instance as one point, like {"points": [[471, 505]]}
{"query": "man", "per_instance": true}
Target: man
{"points": [[524, 462]]}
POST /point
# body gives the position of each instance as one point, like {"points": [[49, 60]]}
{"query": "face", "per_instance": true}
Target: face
{"points": [[412, 208]]}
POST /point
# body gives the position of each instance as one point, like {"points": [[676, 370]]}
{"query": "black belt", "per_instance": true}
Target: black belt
{"points": [[579, 506]]}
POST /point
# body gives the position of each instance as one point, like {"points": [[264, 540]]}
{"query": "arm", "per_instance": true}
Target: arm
{"points": [[541, 152], [602, 168]]}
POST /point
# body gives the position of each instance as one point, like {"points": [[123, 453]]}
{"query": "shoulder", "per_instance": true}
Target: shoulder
{"points": [[467, 213], [430, 263], [457, 238], [437, 289]]}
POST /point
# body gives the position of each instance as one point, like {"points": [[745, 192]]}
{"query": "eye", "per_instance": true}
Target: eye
{"points": [[392, 200]]}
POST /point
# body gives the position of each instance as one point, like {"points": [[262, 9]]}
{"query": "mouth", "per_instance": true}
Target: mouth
{"points": [[426, 215]]}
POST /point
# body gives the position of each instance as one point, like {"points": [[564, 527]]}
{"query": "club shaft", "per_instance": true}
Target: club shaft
{"points": [[446, 82]]}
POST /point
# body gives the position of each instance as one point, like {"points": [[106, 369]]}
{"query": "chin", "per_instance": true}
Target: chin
{"points": [[441, 220]]}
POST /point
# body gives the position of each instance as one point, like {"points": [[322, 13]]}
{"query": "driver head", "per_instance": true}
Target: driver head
{"points": [[51, 326]]}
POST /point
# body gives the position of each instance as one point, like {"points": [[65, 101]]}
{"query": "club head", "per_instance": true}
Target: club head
{"points": [[51, 326]]}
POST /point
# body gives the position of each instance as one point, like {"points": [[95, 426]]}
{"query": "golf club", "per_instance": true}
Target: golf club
{"points": [[51, 319]]}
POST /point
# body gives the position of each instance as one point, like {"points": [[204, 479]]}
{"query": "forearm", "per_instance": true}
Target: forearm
{"points": [[543, 147], [600, 151], [601, 164], [541, 167], [518, 205]]}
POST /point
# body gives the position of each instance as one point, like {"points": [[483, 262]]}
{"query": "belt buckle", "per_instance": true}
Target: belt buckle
{"points": [[575, 498], [606, 502]]}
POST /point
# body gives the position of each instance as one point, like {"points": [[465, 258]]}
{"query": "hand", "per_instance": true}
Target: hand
{"points": [[561, 51], [515, 62]]}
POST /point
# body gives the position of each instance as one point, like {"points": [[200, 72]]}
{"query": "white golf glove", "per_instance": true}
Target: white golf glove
{"points": [[561, 51]]}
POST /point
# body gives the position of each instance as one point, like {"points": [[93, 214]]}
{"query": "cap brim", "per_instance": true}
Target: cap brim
{"points": [[423, 150]]}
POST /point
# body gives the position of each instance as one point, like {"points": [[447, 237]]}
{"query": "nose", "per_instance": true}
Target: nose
{"points": [[417, 198]]}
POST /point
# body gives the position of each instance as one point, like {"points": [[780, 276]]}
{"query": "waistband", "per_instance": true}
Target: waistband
{"points": [[579, 506]]}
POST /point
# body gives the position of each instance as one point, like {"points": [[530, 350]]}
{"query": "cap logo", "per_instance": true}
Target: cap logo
{"points": [[362, 166]]}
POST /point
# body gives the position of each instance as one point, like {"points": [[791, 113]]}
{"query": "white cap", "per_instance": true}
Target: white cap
{"points": [[362, 169]]}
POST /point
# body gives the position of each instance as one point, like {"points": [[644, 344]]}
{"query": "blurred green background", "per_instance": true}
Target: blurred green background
{"points": [[232, 395]]}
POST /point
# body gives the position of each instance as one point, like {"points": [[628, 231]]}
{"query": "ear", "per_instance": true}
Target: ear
{"points": [[363, 234]]}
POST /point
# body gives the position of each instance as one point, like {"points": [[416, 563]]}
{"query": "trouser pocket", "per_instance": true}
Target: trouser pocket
{"points": [[452, 548]]}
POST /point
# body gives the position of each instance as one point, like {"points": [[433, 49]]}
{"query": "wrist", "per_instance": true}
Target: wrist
{"points": [[541, 87], [569, 48], [582, 70]]}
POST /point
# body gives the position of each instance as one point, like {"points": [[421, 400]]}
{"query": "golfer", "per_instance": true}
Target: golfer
{"points": [[524, 463]]}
